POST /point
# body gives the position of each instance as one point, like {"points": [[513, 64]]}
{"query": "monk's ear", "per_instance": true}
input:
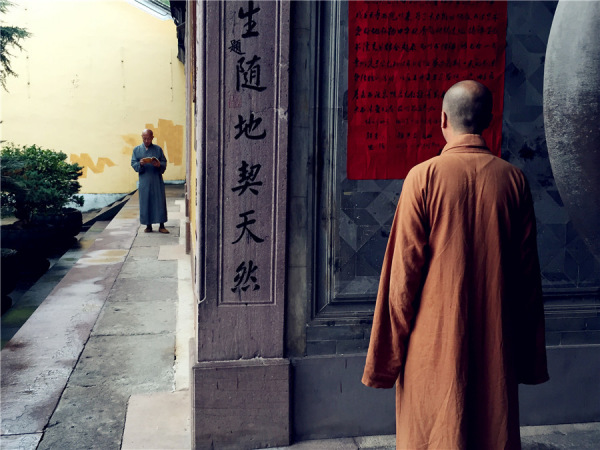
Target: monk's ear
{"points": [[444, 120]]}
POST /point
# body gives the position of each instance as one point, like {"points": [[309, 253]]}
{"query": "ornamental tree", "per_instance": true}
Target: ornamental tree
{"points": [[10, 36]]}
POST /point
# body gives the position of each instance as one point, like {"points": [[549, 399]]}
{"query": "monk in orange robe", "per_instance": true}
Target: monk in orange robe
{"points": [[459, 318]]}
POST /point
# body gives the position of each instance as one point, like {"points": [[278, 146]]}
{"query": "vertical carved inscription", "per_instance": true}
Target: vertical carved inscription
{"points": [[248, 155], [403, 55]]}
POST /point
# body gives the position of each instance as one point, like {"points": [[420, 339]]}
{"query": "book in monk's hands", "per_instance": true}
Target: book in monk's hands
{"points": [[148, 160]]}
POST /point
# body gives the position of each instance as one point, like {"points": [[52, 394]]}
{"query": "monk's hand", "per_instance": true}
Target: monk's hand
{"points": [[142, 162], [156, 163]]}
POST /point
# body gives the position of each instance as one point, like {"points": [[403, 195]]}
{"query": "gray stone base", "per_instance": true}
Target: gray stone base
{"points": [[242, 404], [573, 393], [329, 400]]}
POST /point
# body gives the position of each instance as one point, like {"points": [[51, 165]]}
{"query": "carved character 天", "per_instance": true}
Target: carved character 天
{"points": [[245, 228]]}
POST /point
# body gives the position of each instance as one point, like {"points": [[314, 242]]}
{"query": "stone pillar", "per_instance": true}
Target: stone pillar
{"points": [[572, 113], [241, 378]]}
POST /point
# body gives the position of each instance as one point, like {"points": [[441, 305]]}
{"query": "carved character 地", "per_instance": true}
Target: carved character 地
{"points": [[246, 127]]}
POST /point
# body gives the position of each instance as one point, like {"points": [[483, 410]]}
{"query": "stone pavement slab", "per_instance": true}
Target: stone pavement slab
{"points": [[138, 253], [577, 436], [28, 404], [134, 317], [149, 269], [86, 418], [141, 363], [172, 252], [159, 421], [136, 289], [376, 442], [323, 444], [20, 442]]}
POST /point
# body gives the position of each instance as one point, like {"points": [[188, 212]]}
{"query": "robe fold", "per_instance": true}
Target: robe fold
{"points": [[459, 318], [153, 202]]}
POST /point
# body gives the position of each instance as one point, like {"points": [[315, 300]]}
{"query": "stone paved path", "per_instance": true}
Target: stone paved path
{"points": [[130, 350]]}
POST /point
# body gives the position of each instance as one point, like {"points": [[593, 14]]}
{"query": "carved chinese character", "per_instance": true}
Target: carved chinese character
{"points": [[245, 230], [247, 178], [249, 75], [244, 277], [251, 23], [236, 47], [246, 127]]}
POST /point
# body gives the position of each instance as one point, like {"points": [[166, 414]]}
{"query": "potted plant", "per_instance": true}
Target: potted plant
{"points": [[41, 181], [37, 186]]}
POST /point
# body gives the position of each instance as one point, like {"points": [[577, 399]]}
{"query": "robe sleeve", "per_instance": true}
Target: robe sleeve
{"points": [[163, 162], [530, 332], [135, 163], [399, 286]]}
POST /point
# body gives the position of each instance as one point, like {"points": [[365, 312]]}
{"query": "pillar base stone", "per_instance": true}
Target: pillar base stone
{"points": [[242, 404]]}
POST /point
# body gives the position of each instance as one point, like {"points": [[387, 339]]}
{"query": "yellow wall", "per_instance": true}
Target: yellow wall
{"points": [[91, 77]]}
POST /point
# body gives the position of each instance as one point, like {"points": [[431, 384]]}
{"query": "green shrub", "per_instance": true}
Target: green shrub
{"points": [[37, 181]]}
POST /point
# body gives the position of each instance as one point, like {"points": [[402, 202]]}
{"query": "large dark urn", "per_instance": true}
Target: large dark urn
{"points": [[45, 233], [572, 113], [67, 222], [26, 247]]}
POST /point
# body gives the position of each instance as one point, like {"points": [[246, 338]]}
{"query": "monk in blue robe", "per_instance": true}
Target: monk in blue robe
{"points": [[149, 161]]}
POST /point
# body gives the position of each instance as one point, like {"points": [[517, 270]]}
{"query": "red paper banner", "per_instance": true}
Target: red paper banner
{"points": [[402, 57]]}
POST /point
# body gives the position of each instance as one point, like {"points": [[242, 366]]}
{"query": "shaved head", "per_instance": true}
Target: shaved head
{"points": [[147, 136], [468, 106]]}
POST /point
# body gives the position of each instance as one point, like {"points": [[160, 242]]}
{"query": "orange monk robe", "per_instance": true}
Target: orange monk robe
{"points": [[459, 319]]}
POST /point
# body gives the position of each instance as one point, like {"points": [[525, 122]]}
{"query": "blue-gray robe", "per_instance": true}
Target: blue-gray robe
{"points": [[153, 203]]}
